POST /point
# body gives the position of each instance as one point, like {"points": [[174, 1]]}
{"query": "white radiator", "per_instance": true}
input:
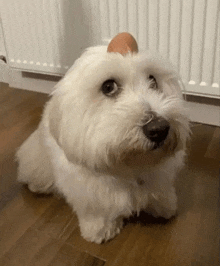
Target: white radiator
{"points": [[48, 35], [186, 31]]}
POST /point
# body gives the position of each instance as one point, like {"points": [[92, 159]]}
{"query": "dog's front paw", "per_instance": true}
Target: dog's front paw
{"points": [[162, 212], [98, 230], [40, 189], [165, 207]]}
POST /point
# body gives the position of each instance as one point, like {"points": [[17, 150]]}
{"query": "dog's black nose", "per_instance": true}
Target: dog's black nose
{"points": [[157, 129]]}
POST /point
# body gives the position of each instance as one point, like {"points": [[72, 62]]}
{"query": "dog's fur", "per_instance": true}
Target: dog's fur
{"points": [[91, 148]]}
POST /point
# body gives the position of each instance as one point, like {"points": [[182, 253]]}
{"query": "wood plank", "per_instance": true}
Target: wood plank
{"points": [[19, 215], [25, 248], [59, 221], [199, 141], [213, 150], [69, 255]]}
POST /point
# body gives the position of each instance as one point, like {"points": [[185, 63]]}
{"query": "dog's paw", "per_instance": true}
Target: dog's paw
{"points": [[165, 207], [162, 212], [47, 189], [98, 231]]}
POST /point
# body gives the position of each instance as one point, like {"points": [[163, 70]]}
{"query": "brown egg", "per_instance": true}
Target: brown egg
{"points": [[123, 43]]}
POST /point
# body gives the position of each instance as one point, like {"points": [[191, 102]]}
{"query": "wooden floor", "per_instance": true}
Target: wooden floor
{"points": [[42, 230]]}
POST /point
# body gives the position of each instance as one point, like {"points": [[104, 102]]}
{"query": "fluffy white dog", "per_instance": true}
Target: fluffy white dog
{"points": [[111, 140]]}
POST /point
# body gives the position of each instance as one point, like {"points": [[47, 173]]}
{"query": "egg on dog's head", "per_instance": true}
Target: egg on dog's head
{"points": [[123, 43]]}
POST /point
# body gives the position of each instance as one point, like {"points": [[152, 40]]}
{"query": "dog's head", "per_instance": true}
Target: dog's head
{"points": [[111, 107]]}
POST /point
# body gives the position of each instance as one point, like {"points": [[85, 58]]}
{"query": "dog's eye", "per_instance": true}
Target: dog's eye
{"points": [[109, 87], [153, 82]]}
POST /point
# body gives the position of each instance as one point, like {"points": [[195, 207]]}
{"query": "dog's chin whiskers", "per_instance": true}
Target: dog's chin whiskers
{"points": [[156, 145], [172, 142]]}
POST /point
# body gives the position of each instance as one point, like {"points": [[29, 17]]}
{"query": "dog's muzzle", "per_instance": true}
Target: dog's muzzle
{"points": [[157, 130]]}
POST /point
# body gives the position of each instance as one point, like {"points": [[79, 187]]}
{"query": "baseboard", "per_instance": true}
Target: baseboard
{"points": [[28, 81], [204, 113]]}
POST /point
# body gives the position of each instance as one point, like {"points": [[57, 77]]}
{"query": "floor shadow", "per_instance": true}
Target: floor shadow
{"points": [[145, 218]]}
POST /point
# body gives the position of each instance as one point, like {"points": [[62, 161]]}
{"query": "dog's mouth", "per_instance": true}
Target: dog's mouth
{"points": [[141, 158], [157, 145], [145, 151], [168, 145], [152, 154]]}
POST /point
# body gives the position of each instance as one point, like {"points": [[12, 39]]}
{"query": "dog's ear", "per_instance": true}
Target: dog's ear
{"points": [[123, 43]]}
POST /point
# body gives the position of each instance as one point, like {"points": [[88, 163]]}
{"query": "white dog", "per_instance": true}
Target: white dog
{"points": [[111, 140]]}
